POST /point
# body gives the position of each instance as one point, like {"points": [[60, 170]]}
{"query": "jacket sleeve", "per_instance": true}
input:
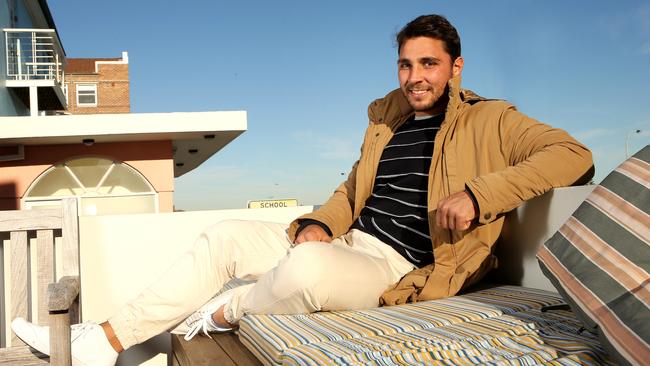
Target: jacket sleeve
{"points": [[337, 212], [539, 158]]}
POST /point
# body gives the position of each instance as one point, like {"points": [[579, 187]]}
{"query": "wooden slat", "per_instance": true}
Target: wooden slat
{"points": [[70, 266], [30, 219], [73, 311], [175, 361], [199, 351], [19, 285], [60, 339], [237, 352], [24, 356], [45, 271]]}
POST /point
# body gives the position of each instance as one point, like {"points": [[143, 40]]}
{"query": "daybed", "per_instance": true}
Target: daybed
{"points": [[597, 256], [515, 316]]}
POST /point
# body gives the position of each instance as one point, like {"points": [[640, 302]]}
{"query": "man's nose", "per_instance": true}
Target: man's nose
{"points": [[415, 74]]}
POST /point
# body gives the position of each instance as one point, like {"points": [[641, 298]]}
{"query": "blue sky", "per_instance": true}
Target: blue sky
{"points": [[306, 71]]}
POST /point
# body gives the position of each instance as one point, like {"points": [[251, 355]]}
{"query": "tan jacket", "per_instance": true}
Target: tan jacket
{"points": [[486, 146]]}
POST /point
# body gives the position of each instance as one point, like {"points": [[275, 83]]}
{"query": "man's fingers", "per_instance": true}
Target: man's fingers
{"points": [[454, 221], [461, 224], [316, 236], [303, 237], [456, 212], [312, 233], [441, 217]]}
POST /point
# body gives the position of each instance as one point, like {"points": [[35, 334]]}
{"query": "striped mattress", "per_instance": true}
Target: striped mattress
{"points": [[502, 325]]}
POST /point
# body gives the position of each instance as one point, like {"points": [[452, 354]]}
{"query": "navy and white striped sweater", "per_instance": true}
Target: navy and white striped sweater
{"points": [[396, 212]]}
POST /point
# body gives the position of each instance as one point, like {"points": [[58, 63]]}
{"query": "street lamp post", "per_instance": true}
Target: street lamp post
{"points": [[627, 137]]}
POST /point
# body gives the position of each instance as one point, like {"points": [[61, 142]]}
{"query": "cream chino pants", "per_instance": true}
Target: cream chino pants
{"points": [[351, 272]]}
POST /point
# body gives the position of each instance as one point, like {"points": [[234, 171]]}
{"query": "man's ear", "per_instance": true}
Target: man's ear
{"points": [[457, 67]]}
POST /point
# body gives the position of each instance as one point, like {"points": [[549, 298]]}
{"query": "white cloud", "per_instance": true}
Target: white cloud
{"points": [[613, 135], [327, 147], [592, 134], [338, 149], [207, 174], [645, 49]]}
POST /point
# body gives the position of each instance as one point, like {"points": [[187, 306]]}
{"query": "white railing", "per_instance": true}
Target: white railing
{"points": [[34, 54]]}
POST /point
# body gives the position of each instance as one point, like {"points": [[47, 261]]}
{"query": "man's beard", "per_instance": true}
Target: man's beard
{"points": [[434, 99]]}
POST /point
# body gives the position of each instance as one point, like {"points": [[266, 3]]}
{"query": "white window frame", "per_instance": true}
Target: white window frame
{"points": [[29, 202], [65, 92], [86, 87]]}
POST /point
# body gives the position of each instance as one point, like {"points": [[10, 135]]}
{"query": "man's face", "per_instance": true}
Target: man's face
{"points": [[424, 67]]}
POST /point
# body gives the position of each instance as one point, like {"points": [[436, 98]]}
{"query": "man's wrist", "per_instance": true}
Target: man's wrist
{"points": [[474, 201], [306, 222]]}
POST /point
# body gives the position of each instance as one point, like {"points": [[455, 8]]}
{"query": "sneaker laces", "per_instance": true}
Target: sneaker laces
{"points": [[202, 320], [80, 330], [199, 321]]}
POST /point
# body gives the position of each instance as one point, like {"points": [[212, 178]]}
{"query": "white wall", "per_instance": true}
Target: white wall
{"points": [[122, 254], [527, 228]]}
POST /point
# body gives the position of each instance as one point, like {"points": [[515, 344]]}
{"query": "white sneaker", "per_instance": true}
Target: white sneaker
{"points": [[201, 320], [90, 347]]}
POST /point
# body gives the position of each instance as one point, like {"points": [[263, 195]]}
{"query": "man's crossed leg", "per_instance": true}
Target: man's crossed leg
{"points": [[351, 272]]}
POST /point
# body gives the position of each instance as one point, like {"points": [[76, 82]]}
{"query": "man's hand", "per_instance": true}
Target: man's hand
{"points": [[456, 212], [312, 233]]}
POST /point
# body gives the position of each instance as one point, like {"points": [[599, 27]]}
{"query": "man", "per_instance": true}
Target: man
{"points": [[416, 219]]}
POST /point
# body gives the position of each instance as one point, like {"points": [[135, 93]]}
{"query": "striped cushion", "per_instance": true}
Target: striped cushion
{"points": [[599, 260], [502, 325]]}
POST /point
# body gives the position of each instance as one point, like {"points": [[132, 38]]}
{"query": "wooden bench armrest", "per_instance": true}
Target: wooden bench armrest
{"points": [[61, 298], [61, 295]]}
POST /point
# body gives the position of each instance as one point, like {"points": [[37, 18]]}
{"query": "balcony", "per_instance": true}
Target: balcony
{"points": [[34, 69]]}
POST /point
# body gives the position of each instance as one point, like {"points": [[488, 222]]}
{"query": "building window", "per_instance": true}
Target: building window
{"points": [[101, 186], [87, 95]]}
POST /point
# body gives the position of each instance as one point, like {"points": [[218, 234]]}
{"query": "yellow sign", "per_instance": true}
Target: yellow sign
{"points": [[273, 203]]}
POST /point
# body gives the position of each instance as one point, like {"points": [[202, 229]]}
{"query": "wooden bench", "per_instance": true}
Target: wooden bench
{"points": [[41, 281]]}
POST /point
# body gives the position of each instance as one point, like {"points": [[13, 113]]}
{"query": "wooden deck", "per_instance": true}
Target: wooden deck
{"points": [[223, 349], [22, 355]]}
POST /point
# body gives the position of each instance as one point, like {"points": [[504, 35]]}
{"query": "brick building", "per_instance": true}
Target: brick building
{"points": [[98, 85]]}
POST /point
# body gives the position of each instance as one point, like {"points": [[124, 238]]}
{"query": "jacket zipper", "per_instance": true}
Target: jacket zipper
{"points": [[445, 177]]}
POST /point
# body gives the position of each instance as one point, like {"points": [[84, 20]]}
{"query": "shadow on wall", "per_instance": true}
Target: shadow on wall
{"points": [[527, 228], [524, 229], [8, 200]]}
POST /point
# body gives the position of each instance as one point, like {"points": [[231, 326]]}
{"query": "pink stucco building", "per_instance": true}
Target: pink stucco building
{"points": [[112, 163]]}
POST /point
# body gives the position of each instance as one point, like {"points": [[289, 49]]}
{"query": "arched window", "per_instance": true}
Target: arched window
{"points": [[102, 187]]}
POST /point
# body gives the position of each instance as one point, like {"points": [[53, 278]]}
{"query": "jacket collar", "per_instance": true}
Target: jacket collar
{"points": [[394, 108]]}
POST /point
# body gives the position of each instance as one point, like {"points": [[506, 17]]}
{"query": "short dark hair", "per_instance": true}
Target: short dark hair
{"points": [[432, 26]]}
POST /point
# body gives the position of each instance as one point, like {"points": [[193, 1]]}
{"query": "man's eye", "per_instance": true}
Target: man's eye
{"points": [[430, 64], [404, 66]]}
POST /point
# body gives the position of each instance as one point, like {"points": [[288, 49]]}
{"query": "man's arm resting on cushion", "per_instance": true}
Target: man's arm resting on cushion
{"points": [[540, 158]]}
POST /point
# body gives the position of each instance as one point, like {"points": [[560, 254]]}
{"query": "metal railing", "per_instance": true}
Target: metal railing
{"points": [[34, 54]]}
